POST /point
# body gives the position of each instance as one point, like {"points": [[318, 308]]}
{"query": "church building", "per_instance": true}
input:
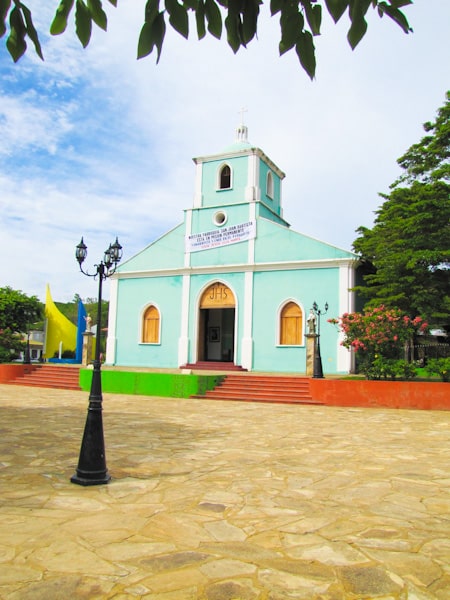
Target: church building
{"points": [[232, 283]]}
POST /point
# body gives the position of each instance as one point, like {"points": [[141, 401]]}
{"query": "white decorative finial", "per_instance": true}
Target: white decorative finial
{"points": [[242, 130]]}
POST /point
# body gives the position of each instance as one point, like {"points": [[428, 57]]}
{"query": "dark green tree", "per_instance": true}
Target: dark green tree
{"points": [[300, 21], [18, 312], [70, 309], [429, 160], [408, 249]]}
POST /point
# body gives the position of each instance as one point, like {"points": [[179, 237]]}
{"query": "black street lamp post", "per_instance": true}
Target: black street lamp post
{"points": [[27, 351], [318, 371], [27, 354], [92, 468]]}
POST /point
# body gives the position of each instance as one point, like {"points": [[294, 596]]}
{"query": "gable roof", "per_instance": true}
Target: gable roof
{"points": [[274, 244]]}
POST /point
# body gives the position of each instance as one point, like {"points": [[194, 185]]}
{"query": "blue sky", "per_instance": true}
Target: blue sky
{"points": [[96, 143]]}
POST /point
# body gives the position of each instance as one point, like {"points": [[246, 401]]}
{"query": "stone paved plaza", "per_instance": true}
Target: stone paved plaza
{"points": [[223, 501]]}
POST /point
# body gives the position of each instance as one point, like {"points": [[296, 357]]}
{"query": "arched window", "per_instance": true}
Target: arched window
{"points": [[225, 178], [291, 325], [269, 184], [150, 326]]}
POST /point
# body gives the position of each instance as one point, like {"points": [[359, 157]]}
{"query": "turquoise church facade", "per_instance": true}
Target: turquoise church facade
{"points": [[232, 283]]}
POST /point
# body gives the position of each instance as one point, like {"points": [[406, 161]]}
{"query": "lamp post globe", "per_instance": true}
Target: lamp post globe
{"points": [[91, 469]]}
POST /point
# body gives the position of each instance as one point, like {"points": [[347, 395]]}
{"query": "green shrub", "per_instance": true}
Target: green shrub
{"points": [[389, 368], [405, 370], [440, 367]]}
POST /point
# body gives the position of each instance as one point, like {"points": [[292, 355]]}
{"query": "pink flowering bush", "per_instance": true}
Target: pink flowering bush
{"points": [[378, 336]]}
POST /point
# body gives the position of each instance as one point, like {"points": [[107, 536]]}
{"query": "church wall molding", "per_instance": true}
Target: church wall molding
{"points": [[302, 265]]}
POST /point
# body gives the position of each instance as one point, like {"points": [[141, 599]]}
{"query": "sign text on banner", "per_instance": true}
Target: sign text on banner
{"points": [[221, 237]]}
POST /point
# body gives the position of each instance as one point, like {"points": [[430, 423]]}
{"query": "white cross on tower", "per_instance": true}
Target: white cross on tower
{"points": [[241, 112]]}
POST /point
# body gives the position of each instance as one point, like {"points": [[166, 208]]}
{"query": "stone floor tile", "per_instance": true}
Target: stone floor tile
{"points": [[223, 501]]}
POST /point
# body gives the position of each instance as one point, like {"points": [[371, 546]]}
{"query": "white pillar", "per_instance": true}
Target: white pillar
{"points": [[198, 198], [346, 304], [247, 338], [183, 341], [111, 340]]}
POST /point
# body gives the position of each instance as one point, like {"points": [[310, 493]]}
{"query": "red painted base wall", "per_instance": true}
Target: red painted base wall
{"points": [[9, 372], [382, 394], [337, 392]]}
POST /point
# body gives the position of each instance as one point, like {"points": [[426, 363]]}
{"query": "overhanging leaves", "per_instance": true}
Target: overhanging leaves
{"points": [[83, 23], [4, 8], [200, 20], [300, 20], [291, 24], [152, 35], [306, 53], [31, 31], [97, 13], [250, 20], [59, 22], [358, 28], [336, 8], [232, 25], [178, 17], [395, 14], [214, 18], [314, 16], [16, 40], [20, 25]]}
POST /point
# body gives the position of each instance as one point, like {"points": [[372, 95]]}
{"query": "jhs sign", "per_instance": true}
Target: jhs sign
{"points": [[217, 295]]}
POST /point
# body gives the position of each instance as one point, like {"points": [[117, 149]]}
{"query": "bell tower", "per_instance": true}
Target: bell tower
{"points": [[240, 174]]}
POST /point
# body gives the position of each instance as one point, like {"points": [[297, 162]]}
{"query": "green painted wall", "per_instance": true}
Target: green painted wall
{"points": [[266, 212], [212, 196], [202, 221], [135, 294], [172, 385], [273, 203], [167, 252], [275, 242], [273, 289]]}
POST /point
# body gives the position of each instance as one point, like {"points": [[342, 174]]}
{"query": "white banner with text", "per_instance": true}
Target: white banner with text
{"points": [[221, 237]]}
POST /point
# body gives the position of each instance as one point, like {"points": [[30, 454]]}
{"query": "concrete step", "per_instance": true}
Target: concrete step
{"points": [[209, 365], [261, 388], [49, 376]]}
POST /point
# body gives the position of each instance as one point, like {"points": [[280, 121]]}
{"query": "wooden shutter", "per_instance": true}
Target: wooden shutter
{"points": [[291, 325], [151, 326]]}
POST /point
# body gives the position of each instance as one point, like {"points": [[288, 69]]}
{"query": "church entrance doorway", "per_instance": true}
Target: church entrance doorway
{"points": [[216, 324]]}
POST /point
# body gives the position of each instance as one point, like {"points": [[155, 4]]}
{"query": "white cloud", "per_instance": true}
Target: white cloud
{"points": [[26, 125]]}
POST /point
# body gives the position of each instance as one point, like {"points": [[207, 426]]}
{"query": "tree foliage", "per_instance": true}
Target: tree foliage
{"points": [[17, 310], [429, 160], [300, 22], [409, 245], [11, 344], [17, 313], [70, 309]]}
